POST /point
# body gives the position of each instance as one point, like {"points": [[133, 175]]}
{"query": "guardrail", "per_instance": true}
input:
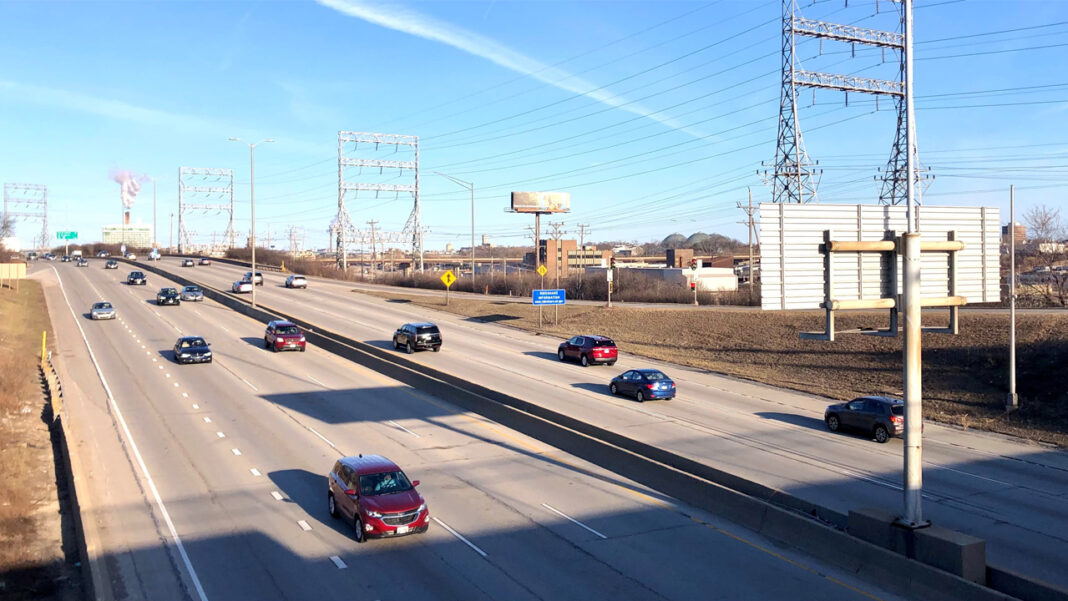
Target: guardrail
{"points": [[813, 529]]}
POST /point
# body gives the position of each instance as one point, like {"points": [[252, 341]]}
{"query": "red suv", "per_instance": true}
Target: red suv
{"points": [[374, 495], [283, 335], [588, 349]]}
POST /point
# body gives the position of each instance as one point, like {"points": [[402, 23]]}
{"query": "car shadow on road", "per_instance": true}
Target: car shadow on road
{"points": [[308, 491], [395, 300], [812, 423], [382, 344], [542, 355], [592, 387], [253, 341]]}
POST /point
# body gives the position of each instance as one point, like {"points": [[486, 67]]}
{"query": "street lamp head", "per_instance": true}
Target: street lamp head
{"points": [[268, 140], [235, 139]]}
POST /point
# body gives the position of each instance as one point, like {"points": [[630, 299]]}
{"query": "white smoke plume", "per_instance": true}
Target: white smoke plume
{"points": [[131, 185]]}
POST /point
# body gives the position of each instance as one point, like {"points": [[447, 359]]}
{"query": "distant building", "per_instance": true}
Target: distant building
{"points": [[561, 257], [133, 236], [1021, 234], [448, 247]]}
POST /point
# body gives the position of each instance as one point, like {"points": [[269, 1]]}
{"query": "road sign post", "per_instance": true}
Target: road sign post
{"points": [[609, 272], [66, 237], [447, 278], [693, 268], [541, 272]]}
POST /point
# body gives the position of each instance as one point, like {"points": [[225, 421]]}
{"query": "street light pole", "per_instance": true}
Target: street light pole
{"points": [[155, 238], [252, 201], [470, 186]]}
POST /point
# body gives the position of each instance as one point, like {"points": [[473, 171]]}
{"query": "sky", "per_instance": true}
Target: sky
{"points": [[656, 116]]}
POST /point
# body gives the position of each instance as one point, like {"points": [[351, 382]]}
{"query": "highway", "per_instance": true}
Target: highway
{"points": [[208, 481], [1011, 493]]}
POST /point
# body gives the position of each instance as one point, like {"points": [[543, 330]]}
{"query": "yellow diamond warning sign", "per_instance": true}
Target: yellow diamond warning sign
{"points": [[448, 278], [542, 271]]}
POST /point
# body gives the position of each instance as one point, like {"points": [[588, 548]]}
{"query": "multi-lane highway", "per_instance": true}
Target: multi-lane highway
{"points": [[1011, 493], [208, 481]]}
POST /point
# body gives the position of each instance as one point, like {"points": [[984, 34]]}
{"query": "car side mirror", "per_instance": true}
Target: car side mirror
{"points": [[415, 483]]}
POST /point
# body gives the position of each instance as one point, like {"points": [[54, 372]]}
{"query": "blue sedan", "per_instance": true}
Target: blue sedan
{"points": [[643, 384]]}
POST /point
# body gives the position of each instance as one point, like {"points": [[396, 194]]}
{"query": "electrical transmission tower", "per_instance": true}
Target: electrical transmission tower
{"points": [[381, 176], [29, 201], [202, 190], [296, 236], [793, 179]]}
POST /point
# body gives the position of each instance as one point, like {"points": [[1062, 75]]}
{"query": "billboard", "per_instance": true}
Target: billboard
{"points": [[792, 265], [541, 202]]}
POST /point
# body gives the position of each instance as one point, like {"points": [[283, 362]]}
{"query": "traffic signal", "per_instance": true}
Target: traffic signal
{"points": [[612, 262], [693, 285], [693, 263]]}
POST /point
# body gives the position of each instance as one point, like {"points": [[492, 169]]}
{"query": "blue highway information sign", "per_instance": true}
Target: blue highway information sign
{"points": [[549, 297]]}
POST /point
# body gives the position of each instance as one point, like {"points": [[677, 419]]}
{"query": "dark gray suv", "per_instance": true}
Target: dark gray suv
{"points": [[880, 417]]}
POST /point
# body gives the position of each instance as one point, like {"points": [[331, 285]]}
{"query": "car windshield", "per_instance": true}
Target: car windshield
{"points": [[384, 483], [169, 291], [194, 343], [298, 278], [191, 289], [288, 330], [102, 306], [427, 330], [897, 409], [655, 375]]}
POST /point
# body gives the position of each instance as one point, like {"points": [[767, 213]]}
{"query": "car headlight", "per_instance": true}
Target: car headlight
{"points": [[207, 354], [184, 355], [421, 509], [374, 514]]}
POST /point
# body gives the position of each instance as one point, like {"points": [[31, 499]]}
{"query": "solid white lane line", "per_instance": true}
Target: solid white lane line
{"points": [[571, 519], [220, 435], [325, 439], [249, 383], [405, 429], [255, 472], [460, 536], [235, 451], [316, 381], [337, 561], [303, 525], [277, 495], [137, 454]]}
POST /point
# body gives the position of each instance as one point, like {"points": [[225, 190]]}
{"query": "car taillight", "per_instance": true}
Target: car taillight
{"points": [[650, 386], [897, 419], [350, 492], [672, 384]]}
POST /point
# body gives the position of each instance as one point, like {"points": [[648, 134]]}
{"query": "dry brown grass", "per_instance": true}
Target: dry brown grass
{"points": [[965, 376]]}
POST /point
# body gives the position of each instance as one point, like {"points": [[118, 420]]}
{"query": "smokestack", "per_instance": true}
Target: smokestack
{"points": [[129, 186], [126, 218]]}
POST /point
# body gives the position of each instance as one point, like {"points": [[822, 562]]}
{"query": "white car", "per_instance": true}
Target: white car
{"points": [[296, 281], [102, 310], [241, 286], [259, 277]]}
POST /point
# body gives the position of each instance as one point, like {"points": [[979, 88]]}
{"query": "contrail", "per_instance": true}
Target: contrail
{"points": [[414, 23]]}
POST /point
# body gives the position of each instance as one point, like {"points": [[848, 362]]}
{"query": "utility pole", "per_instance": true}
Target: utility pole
{"points": [[372, 223], [471, 187], [252, 201], [170, 241], [155, 241], [561, 258], [1012, 403], [749, 222]]}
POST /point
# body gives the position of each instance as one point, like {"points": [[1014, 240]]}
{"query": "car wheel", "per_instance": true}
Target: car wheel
{"points": [[396, 346], [357, 525], [882, 435], [302, 349], [832, 423], [560, 354], [612, 388], [585, 361], [410, 349], [611, 363], [437, 348], [331, 505], [265, 343], [640, 396]]}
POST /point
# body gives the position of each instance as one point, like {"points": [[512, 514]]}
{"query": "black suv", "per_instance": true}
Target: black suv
{"points": [[168, 296], [136, 278], [881, 417], [417, 337]]}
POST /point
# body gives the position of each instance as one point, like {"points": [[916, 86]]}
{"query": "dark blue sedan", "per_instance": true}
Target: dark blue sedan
{"points": [[643, 384]]}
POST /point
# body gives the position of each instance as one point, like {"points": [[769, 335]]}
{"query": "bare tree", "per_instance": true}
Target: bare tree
{"points": [[7, 228], [1044, 224], [1048, 252]]}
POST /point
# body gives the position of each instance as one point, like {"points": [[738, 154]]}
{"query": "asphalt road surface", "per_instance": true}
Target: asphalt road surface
{"points": [[1014, 494], [208, 481]]}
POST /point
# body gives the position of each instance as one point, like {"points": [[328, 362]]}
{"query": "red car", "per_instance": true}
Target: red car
{"points": [[376, 497], [588, 350], [282, 336]]}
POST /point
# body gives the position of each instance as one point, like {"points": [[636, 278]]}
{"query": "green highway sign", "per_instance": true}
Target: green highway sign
{"points": [[67, 235]]}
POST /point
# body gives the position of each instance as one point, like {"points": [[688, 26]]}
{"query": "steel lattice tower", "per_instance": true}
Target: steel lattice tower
{"points": [[343, 226], [207, 185], [793, 177], [29, 201]]}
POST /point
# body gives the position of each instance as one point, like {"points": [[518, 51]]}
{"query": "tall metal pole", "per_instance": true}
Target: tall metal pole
{"points": [[472, 237], [170, 243], [912, 372], [751, 271], [155, 238], [252, 202], [1012, 403]]}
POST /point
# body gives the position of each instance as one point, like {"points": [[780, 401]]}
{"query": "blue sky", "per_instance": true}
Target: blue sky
{"points": [[655, 116]]}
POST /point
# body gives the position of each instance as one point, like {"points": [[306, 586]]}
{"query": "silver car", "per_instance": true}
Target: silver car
{"points": [[192, 293], [241, 286], [102, 310]]}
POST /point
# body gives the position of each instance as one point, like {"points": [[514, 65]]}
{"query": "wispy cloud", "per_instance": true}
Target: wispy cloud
{"points": [[103, 107], [408, 21]]}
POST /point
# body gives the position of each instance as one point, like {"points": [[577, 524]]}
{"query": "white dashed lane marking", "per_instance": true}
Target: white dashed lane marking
{"points": [[277, 495], [255, 472], [303, 525], [235, 451], [337, 561]]}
